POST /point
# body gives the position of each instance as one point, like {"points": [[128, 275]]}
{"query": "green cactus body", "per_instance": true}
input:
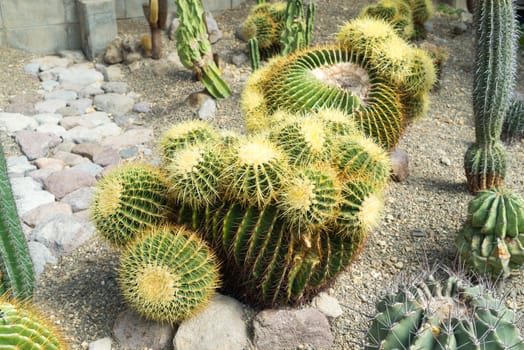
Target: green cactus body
{"points": [[485, 161], [265, 23], [194, 48], [168, 275], [307, 81], [130, 199], [254, 53], [422, 10], [513, 127], [16, 266], [492, 240], [449, 314], [395, 12], [195, 174], [256, 171], [23, 328], [310, 199], [358, 156], [295, 35], [265, 264], [185, 134]]}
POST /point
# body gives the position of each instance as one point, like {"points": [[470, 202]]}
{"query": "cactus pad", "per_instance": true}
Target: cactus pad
{"points": [[449, 314], [128, 200], [168, 274]]}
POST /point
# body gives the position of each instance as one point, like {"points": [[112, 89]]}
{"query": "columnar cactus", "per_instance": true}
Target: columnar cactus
{"points": [[492, 240], [168, 274], [513, 127], [16, 266], [485, 160], [23, 328], [130, 199], [156, 15], [298, 29], [443, 314], [194, 48]]}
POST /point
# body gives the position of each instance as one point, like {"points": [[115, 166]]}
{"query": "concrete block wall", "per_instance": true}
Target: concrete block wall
{"points": [[48, 26]]}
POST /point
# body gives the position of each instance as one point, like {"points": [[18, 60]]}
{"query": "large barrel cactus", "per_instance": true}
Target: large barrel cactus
{"points": [[485, 160], [443, 314], [23, 328], [168, 274], [289, 215], [373, 84], [16, 266], [130, 199], [492, 240]]}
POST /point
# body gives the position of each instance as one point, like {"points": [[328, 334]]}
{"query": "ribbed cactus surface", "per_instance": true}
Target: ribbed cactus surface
{"points": [[168, 274], [513, 127], [22, 328], [16, 266], [492, 240], [485, 160], [130, 199], [443, 314]]}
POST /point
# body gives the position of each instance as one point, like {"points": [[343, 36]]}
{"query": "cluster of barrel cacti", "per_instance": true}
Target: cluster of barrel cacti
{"points": [[194, 48], [406, 16], [429, 313], [491, 241], [278, 28], [378, 79], [485, 160]]}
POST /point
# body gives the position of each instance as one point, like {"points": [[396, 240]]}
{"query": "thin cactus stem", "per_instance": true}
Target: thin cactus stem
{"points": [[310, 14], [254, 53], [16, 266]]}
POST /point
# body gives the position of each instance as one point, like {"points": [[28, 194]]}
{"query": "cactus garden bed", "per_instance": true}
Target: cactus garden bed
{"points": [[422, 214]]}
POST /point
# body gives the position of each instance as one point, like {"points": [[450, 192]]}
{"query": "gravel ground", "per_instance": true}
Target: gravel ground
{"points": [[422, 214]]}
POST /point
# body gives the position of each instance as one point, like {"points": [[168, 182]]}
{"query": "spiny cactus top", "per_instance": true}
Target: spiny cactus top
{"points": [[23, 328], [443, 314], [168, 274], [492, 239]]}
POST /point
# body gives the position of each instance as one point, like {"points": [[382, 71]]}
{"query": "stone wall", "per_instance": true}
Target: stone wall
{"points": [[48, 26]]}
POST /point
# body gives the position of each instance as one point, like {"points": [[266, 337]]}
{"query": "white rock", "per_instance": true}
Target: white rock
{"points": [[110, 129], [52, 129], [327, 304], [47, 118], [101, 344], [80, 134], [97, 118], [41, 256], [208, 110], [13, 122], [24, 186], [18, 166], [80, 75], [220, 326], [33, 200], [79, 199]]}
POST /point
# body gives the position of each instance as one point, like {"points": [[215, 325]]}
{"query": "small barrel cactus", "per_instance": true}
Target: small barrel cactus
{"points": [[443, 314], [185, 134], [485, 161], [21, 327], [492, 239], [168, 274], [395, 12], [129, 200]]}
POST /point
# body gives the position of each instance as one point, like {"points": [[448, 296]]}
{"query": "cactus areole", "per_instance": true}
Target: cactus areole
{"points": [[485, 160]]}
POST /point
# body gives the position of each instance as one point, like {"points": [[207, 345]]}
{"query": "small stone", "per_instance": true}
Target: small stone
{"points": [[399, 265], [132, 331], [49, 106], [40, 256], [80, 75], [445, 161], [51, 74], [47, 118], [132, 57], [106, 130], [418, 234], [208, 110], [101, 344], [276, 329], [36, 144], [174, 60], [129, 138], [63, 182], [82, 105], [328, 305], [113, 53], [70, 158], [32, 200], [127, 120], [32, 68], [51, 129], [50, 62], [117, 87], [50, 163], [90, 168], [41, 174], [13, 122], [142, 107], [72, 122], [80, 134], [18, 166], [114, 104], [80, 199], [215, 34], [97, 118], [459, 28], [129, 152], [42, 212], [62, 233], [111, 73], [90, 91], [65, 95], [196, 99], [49, 85], [24, 186], [107, 156], [21, 108], [219, 326], [399, 164], [87, 149], [240, 59], [68, 111]]}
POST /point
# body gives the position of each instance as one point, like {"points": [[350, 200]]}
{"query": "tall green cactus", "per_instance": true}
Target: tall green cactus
{"points": [[443, 314], [16, 266], [513, 127], [21, 327], [485, 160], [156, 15], [254, 53], [194, 48], [297, 29]]}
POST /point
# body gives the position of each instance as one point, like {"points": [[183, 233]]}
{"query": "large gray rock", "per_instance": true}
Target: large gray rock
{"points": [[80, 134], [41, 256], [280, 329], [80, 75], [71, 122], [114, 104], [129, 138], [47, 118], [132, 331], [220, 326], [62, 234], [13, 122], [52, 129], [66, 95], [50, 106], [63, 182], [32, 200], [18, 166], [117, 87], [50, 163], [70, 158], [41, 174], [90, 168], [44, 211], [24, 186], [80, 199], [97, 118], [36, 144]]}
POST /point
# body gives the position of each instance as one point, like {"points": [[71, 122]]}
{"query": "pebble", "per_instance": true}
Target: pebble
{"points": [[142, 107], [41, 256], [129, 152], [208, 110], [129, 138], [89, 168], [66, 95], [50, 163], [115, 104], [80, 75], [101, 344], [445, 161], [327, 304], [36, 144]]}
